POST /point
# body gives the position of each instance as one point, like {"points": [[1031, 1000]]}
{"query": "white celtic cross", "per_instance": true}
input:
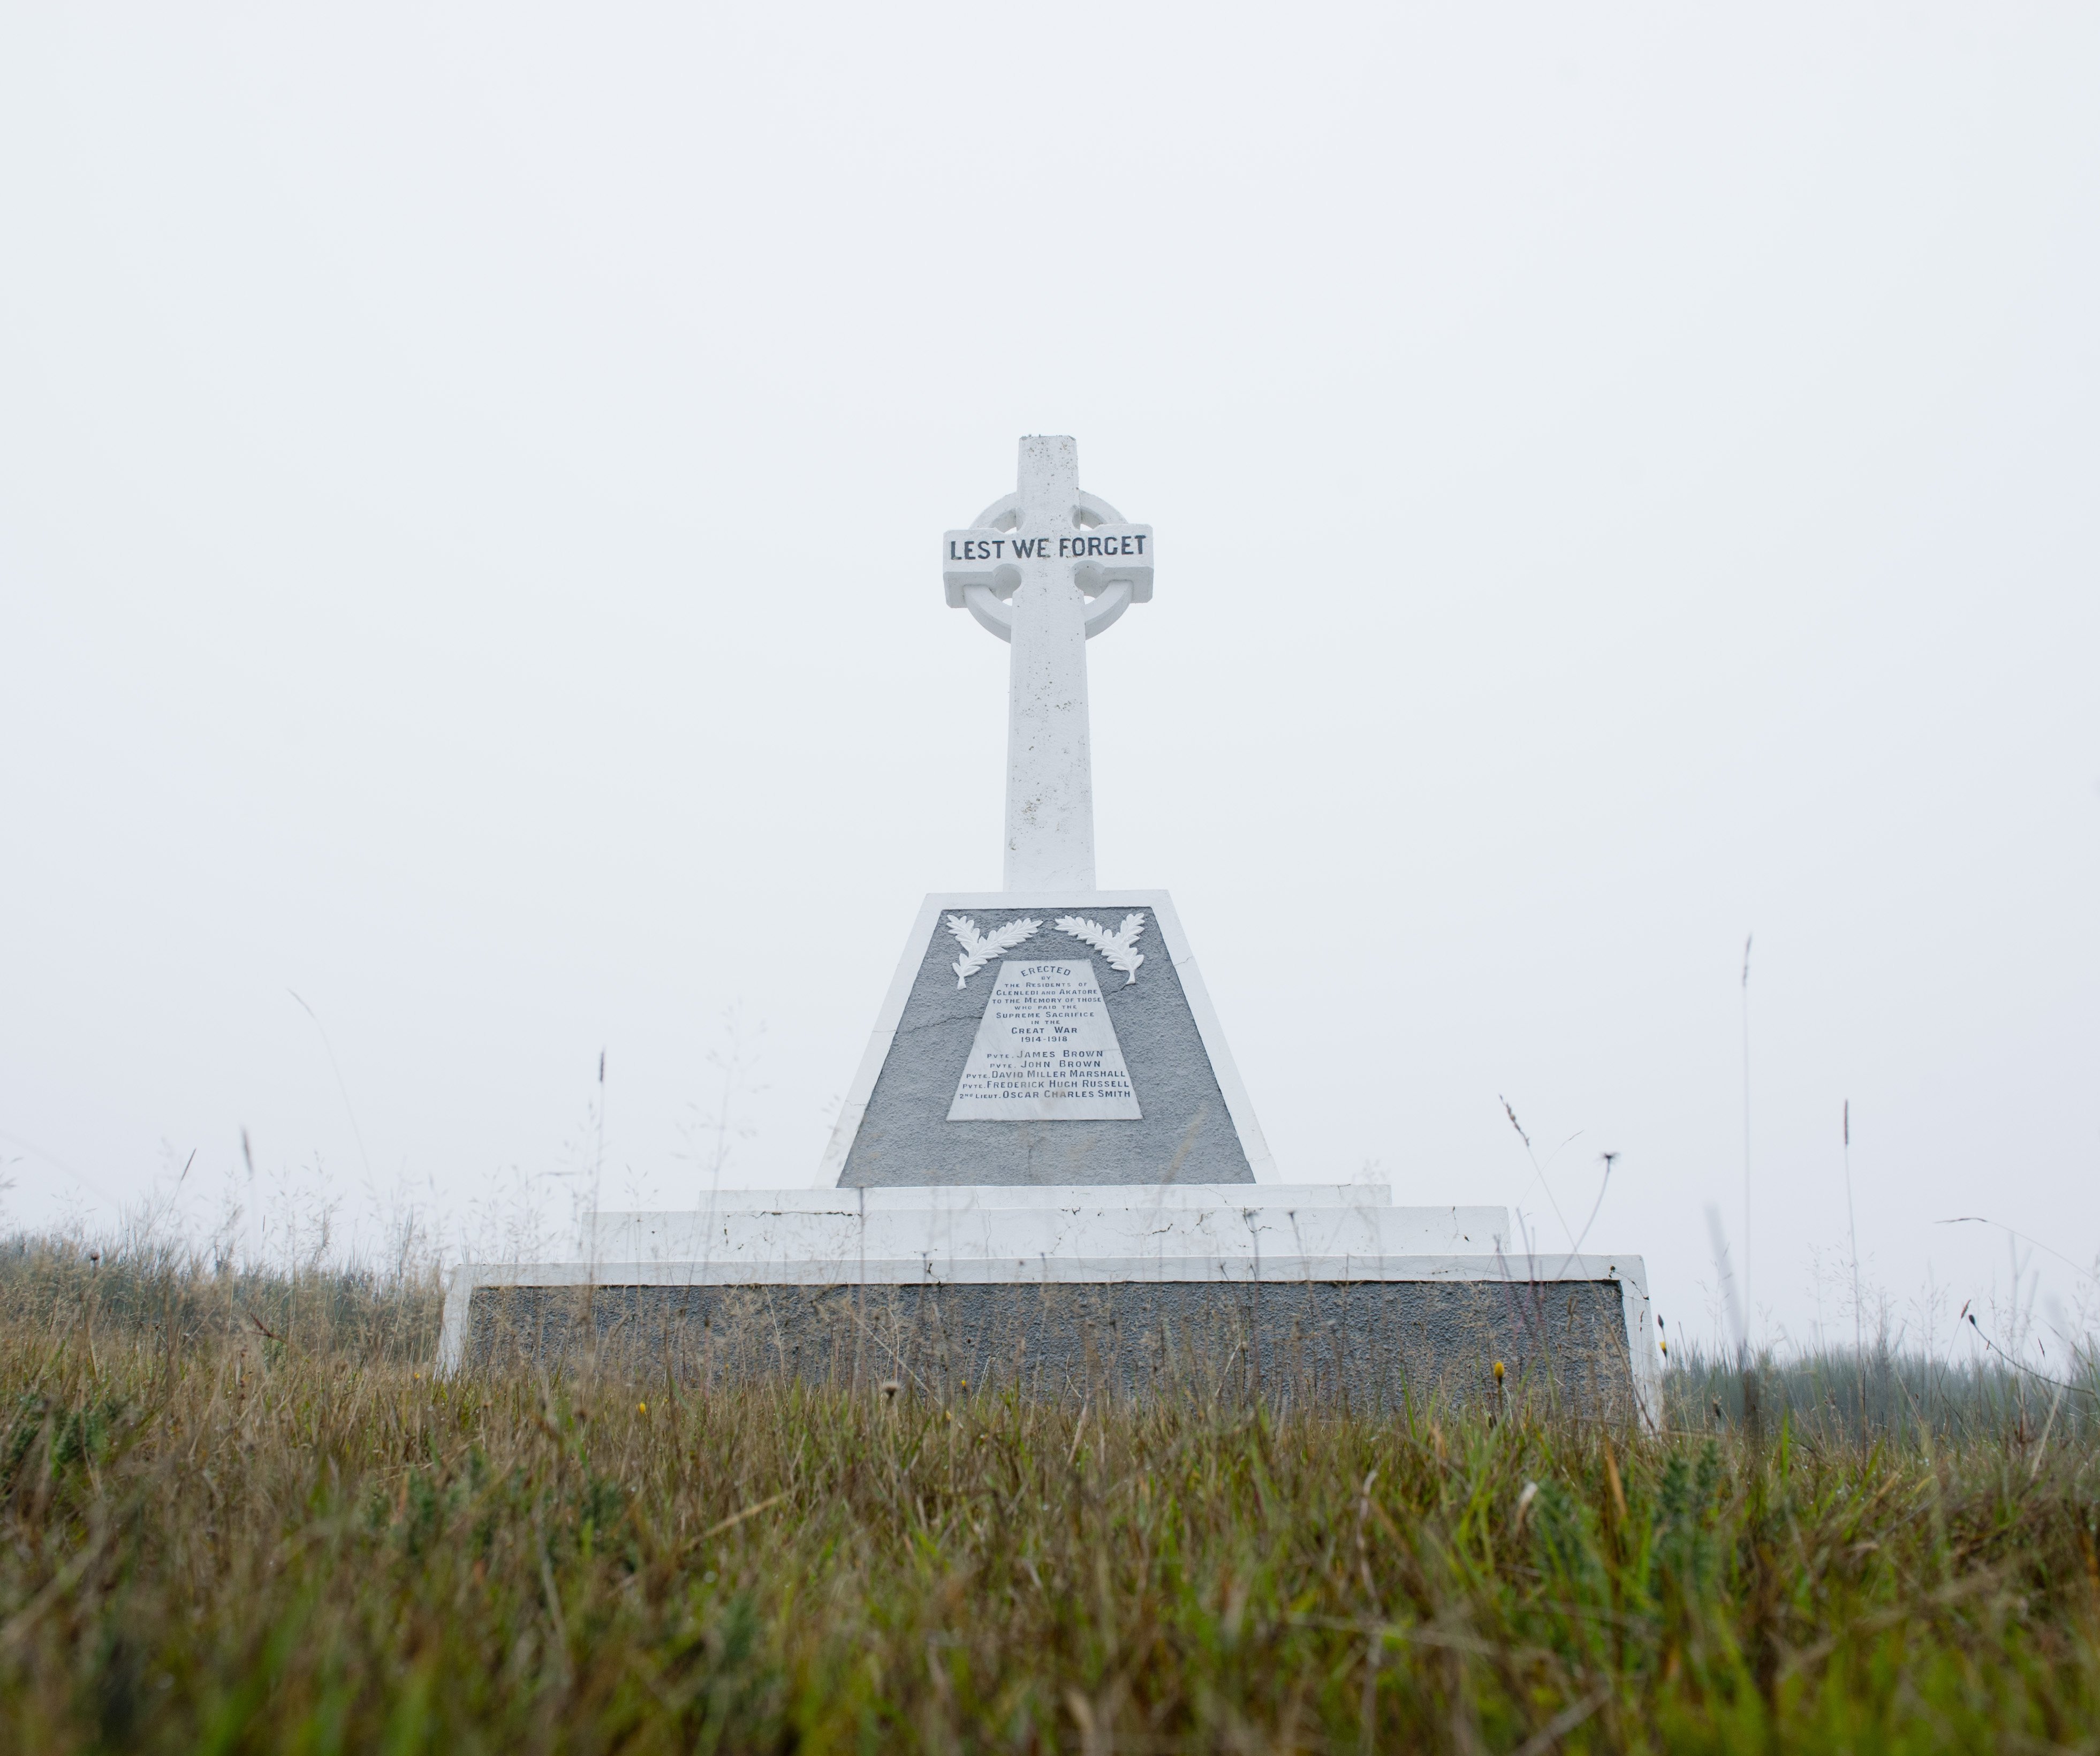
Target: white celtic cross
{"points": [[1047, 569]]}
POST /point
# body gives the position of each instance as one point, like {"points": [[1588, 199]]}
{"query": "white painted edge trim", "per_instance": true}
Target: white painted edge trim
{"points": [[452, 1331], [1630, 1271], [1252, 1140], [1239, 1109], [1640, 1341]]}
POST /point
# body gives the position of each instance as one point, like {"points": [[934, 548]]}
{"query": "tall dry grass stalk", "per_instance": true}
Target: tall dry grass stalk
{"points": [[239, 1514]]}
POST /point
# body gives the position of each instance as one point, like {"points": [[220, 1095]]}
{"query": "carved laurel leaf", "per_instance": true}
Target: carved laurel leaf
{"points": [[1120, 947], [980, 948]]}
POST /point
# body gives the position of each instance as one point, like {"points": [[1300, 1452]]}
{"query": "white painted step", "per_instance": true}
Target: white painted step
{"points": [[1238, 1222]]}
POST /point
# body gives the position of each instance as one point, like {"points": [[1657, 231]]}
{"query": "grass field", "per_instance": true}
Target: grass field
{"points": [[236, 1513]]}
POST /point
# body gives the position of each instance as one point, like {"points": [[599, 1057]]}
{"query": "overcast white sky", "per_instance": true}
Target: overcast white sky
{"points": [[469, 480]]}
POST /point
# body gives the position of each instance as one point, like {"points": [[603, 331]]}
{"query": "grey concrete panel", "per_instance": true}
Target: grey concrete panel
{"points": [[1185, 1136], [1368, 1345]]}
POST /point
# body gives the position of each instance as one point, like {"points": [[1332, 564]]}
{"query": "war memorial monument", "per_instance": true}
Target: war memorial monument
{"points": [[1047, 1172]]}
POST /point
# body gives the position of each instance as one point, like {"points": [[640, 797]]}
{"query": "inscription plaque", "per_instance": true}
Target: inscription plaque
{"points": [[1045, 1050]]}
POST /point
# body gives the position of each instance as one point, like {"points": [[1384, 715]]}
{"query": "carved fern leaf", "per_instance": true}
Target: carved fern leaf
{"points": [[1120, 947], [980, 948]]}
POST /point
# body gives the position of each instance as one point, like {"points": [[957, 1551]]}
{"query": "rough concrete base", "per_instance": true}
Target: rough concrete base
{"points": [[1365, 1345]]}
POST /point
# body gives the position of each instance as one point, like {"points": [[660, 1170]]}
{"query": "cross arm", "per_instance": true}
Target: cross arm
{"points": [[976, 557], [1108, 554]]}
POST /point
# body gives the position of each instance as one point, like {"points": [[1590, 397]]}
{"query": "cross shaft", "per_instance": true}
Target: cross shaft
{"points": [[1045, 569]]}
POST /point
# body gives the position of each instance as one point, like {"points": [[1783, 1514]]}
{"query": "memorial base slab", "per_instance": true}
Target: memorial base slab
{"points": [[1311, 1294]]}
